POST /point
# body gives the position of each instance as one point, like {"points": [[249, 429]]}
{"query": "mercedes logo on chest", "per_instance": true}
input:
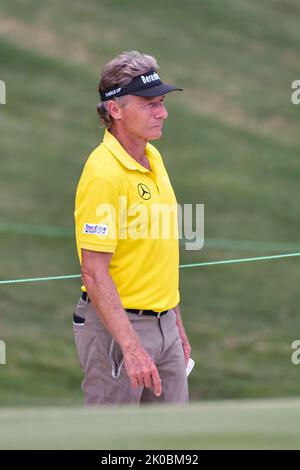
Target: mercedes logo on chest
{"points": [[144, 191]]}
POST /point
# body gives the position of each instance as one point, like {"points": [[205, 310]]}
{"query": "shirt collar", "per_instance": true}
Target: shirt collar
{"points": [[120, 153]]}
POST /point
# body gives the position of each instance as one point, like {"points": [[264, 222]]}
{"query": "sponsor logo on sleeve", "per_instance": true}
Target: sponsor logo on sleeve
{"points": [[95, 229]]}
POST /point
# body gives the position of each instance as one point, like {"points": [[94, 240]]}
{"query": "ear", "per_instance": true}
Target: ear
{"points": [[114, 109]]}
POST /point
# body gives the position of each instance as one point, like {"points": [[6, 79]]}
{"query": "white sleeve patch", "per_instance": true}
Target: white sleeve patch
{"points": [[95, 229]]}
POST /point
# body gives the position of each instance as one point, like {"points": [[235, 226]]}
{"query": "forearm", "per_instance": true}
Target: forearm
{"points": [[183, 336], [107, 303], [179, 321]]}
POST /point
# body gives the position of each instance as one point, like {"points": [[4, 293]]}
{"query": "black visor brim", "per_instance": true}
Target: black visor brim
{"points": [[158, 90]]}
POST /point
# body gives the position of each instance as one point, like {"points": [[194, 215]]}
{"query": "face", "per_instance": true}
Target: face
{"points": [[143, 117]]}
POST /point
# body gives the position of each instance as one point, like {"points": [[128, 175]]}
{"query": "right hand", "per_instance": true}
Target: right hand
{"points": [[141, 370]]}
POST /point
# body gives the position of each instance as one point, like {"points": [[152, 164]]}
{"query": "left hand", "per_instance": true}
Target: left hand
{"points": [[186, 346]]}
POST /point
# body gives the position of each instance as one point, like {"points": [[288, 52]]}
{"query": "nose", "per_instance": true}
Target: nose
{"points": [[161, 112]]}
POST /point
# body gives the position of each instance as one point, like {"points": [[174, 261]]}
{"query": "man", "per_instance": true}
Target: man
{"points": [[128, 330]]}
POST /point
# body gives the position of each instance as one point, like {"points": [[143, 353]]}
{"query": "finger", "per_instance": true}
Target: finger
{"points": [[187, 357], [140, 381], [148, 380], [134, 382], [156, 382]]}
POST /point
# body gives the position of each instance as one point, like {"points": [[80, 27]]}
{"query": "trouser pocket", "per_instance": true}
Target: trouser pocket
{"points": [[77, 320], [116, 359]]}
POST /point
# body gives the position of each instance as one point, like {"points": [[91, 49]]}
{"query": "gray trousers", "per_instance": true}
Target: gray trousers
{"points": [[105, 379]]}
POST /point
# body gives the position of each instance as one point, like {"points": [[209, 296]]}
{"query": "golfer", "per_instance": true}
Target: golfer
{"points": [[129, 334]]}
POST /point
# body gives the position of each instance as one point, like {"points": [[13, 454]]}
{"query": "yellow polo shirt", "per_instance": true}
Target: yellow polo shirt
{"points": [[125, 209]]}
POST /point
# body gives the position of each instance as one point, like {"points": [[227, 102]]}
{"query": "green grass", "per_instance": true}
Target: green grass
{"points": [[263, 424], [231, 142]]}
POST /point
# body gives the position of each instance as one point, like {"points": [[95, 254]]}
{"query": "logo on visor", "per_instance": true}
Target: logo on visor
{"points": [[144, 191], [112, 92], [150, 78]]}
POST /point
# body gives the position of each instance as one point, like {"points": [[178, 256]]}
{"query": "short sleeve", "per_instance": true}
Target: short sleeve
{"points": [[96, 215]]}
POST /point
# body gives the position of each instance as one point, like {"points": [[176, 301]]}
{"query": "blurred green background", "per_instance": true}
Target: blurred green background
{"points": [[231, 142]]}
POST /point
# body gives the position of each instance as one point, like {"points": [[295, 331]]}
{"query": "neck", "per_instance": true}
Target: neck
{"points": [[133, 145]]}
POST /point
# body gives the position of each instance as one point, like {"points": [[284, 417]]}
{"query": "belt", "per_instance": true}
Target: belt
{"points": [[150, 313], [136, 311]]}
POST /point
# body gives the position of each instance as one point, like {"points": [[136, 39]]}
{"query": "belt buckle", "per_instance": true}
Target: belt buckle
{"points": [[140, 313]]}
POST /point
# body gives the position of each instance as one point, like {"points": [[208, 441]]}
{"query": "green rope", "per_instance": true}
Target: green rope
{"points": [[36, 279]]}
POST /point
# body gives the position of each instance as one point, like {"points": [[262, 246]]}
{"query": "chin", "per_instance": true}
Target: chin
{"points": [[155, 135]]}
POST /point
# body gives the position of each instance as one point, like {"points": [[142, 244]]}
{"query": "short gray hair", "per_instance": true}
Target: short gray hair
{"points": [[120, 71]]}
